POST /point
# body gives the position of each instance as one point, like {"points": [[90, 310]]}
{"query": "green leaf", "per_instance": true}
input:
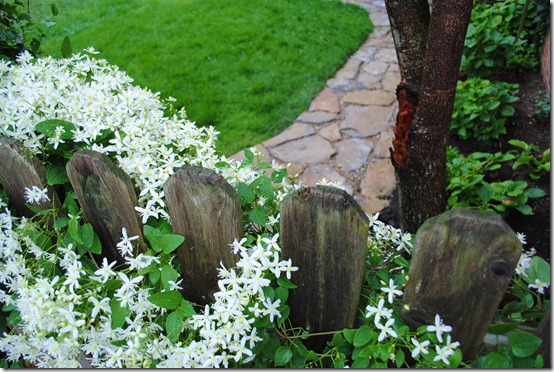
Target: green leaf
{"points": [[257, 215], [285, 283], [73, 230], [455, 359], [349, 334], [524, 344], [61, 222], [168, 300], [154, 276], [525, 209], [485, 193], [497, 329], [400, 357], [66, 47], [362, 336], [337, 340], [153, 237], [262, 186], [497, 360], [170, 242], [87, 235], [507, 110], [282, 294], [174, 325], [54, 10], [245, 192], [222, 164], [534, 192], [56, 175], [360, 363], [96, 246], [282, 355], [538, 269], [186, 309], [168, 273], [118, 313], [48, 128], [248, 154]]}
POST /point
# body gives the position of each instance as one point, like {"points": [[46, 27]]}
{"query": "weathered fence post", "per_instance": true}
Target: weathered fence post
{"points": [[19, 168], [324, 232], [107, 198], [206, 210], [462, 264]]}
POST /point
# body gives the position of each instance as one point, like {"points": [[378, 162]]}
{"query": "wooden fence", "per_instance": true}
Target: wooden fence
{"points": [[462, 263]]}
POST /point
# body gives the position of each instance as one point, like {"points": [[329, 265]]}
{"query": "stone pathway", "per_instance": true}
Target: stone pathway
{"points": [[346, 133]]}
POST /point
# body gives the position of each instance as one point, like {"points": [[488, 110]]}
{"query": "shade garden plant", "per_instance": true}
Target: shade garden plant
{"points": [[64, 305]]}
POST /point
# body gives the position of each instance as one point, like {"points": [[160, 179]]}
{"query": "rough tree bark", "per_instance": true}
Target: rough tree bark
{"points": [[429, 48]]}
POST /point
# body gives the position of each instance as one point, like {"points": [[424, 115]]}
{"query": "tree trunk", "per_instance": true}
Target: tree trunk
{"points": [[425, 102]]}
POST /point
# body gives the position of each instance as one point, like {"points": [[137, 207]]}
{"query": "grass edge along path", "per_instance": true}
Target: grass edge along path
{"points": [[248, 67]]}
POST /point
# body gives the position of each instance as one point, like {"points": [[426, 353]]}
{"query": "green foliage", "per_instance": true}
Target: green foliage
{"points": [[467, 186], [536, 165], [482, 107], [224, 60], [493, 43], [542, 105], [19, 31]]}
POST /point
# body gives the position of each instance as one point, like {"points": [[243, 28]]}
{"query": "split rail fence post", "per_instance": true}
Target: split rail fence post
{"points": [[107, 198], [206, 210], [462, 264], [324, 231]]}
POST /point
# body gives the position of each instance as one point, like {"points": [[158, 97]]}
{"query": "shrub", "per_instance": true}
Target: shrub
{"points": [[468, 187], [18, 31], [482, 107], [493, 39]]}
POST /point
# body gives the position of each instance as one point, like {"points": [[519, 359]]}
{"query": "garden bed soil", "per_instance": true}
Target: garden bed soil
{"points": [[527, 127]]}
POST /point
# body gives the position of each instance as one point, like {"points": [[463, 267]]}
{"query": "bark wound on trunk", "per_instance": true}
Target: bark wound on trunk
{"points": [[407, 103]]}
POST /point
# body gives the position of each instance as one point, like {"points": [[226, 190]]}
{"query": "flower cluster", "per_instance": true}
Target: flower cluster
{"points": [[108, 114], [71, 318]]}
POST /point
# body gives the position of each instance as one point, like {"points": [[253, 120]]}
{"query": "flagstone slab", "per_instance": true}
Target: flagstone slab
{"points": [[350, 69], [365, 121], [316, 117], [312, 150], [344, 85], [352, 154], [379, 181], [370, 97], [326, 101], [295, 131], [376, 67]]}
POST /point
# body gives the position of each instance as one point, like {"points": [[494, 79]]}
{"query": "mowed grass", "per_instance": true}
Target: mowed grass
{"points": [[247, 67]]}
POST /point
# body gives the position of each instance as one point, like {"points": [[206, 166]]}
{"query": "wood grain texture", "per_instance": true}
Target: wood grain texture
{"points": [[206, 210], [19, 168], [324, 231], [107, 198], [462, 263]]}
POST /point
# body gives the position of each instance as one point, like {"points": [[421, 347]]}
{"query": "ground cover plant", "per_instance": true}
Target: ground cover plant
{"points": [[249, 68]]}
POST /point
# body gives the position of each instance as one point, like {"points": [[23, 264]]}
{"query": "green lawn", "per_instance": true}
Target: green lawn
{"points": [[248, 67]]}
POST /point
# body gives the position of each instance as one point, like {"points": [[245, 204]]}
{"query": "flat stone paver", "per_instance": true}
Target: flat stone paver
{"points": [[302, 150], [346, 133], [316, 117], [370, 97], [352, 154], [366, 121]]}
